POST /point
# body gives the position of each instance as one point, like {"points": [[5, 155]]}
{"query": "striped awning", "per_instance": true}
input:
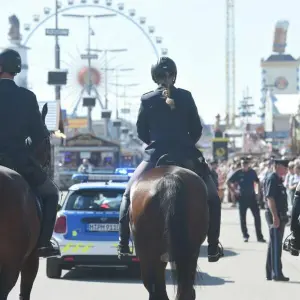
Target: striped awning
{"points": [[52, 118]]}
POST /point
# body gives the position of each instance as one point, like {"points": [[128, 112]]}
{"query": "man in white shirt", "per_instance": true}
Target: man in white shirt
{"points": [[85, 167]]}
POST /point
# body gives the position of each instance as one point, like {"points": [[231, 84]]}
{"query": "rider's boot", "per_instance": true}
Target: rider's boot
{"points": [[215, 249], [295, 227], [292, 244], [46, 248], [295, 242], [124, 230]]}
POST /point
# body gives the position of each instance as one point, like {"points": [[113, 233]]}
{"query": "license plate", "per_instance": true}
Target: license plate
{"points": [[103, 227]]}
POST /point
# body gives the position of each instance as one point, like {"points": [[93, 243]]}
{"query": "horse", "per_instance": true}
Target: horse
{"points": [[20, 226], [169, 223]]}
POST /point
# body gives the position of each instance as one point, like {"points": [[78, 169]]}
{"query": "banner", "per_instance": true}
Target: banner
{"points": [[220, 148]]}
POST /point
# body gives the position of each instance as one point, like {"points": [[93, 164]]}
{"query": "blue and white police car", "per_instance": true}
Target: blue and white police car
{"points": [[87, 226]]}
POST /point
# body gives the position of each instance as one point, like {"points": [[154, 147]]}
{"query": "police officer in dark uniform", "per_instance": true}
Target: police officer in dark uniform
{"points": [[293, 244], [276, 216], [168, 122], [244, 179], [20, 119]]}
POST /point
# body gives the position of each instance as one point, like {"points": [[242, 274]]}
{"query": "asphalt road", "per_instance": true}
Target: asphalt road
{"points": [[240, 275]]}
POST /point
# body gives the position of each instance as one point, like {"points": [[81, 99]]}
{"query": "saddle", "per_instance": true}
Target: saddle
{"points": [[199, 167]]}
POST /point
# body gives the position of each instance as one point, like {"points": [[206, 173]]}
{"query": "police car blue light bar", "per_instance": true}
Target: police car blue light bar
{"points": [[100, 177], [125, 171]]}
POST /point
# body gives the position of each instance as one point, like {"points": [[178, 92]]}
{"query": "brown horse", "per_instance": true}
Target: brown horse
{"points": [[19, 227], [169, 222]]}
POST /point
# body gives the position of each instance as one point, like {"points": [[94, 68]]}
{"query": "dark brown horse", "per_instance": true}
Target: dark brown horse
{"points": [[169, 222], [19, 227]]}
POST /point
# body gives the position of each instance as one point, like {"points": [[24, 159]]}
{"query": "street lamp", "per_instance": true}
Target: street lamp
{"points": [[105, 51], [117, 85], [57, 77], [117, 122], [89, 57], [125, 110]]}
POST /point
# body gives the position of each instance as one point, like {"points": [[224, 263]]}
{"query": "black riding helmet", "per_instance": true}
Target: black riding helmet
{"points": [[10, 61], [164, 65]]}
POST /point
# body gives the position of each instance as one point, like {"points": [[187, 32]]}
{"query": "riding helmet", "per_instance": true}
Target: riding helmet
{"points": [[10, 61], [164, 65]]}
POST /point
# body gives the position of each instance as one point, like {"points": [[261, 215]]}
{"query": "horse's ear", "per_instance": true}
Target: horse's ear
{"points": [[44, 111]]}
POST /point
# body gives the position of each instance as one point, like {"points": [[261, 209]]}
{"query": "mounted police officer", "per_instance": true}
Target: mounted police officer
{"points": [[276, 216], [20, 118], [168, 123]]}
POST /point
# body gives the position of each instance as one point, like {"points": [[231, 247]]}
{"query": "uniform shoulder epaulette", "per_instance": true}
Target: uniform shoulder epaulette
{"points": [[147, 93]]}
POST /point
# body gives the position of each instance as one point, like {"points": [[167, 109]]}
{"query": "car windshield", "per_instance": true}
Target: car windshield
{"points": [[95, 200]]}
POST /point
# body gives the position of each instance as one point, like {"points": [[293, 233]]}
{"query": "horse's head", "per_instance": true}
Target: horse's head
{"points": [[42, 152], [45, 112]]}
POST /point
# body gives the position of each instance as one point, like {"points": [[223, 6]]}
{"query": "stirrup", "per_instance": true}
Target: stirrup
{"points": [[124, 254], [46, 252], [220, 253]]}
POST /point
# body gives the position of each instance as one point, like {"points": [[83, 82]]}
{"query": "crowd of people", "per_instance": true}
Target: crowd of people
{"points": [[262, 167]]}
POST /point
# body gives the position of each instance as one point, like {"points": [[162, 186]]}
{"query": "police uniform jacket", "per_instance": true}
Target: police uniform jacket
{"points": [[20, 118], [169, 131], [274, 188], [245, 180]]}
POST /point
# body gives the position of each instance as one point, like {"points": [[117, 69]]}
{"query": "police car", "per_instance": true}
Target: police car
{"points": [[87, 226]]}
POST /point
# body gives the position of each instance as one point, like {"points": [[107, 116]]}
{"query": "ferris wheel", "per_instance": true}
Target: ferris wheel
{"points": [[105, 70]]}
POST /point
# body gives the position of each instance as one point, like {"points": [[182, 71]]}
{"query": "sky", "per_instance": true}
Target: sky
{"points": [[193, 31]]}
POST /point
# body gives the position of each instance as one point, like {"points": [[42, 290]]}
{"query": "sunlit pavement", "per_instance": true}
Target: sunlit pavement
{"points": [[240, 275]]}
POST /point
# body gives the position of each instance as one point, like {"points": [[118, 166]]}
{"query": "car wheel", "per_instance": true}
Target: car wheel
{"points": [[53, 268]]}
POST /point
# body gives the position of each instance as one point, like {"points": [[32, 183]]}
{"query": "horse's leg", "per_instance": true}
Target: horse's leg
{"points": [[8, 277], [28, 275], [153, 276], [186, 289]]}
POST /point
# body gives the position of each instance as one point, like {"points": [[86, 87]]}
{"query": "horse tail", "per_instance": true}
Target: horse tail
{"points": [[174, 206]]}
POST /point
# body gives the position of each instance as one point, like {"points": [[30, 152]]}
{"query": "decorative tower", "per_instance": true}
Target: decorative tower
{"points": [[15, 39], [280, 70]]}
